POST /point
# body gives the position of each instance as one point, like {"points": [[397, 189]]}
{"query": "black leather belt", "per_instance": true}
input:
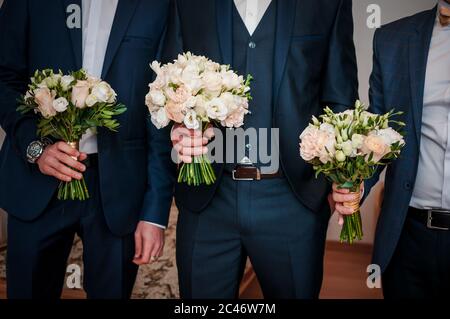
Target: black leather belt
{"points": [[91, 161], [252, 173], [436, 219]]}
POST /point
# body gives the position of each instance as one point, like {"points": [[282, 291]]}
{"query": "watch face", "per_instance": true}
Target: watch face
{"points": [[35, 149]]}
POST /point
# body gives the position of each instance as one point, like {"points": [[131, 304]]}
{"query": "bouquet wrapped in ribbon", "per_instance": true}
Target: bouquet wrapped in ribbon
{"points": [[67, 106], [347, 148], [195, 91]]}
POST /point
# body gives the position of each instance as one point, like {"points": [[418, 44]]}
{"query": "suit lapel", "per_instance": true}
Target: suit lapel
{"points": [[224, 10], [124, 13], [75, 33], [419, 46], [286, 10]]}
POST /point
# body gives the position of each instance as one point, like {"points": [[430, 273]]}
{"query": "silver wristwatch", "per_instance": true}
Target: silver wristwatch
{"points": [[35, 150]]}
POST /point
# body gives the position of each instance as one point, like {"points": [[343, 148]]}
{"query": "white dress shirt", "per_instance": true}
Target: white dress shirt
{"points": [[432, 186], [252, 12], [98, 17]]}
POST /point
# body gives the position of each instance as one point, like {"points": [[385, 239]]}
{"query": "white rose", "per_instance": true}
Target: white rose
{"points": [[103, 93], [60, 104], [191, 121], [91, 100], [159, 118], [212, 82], [66, 80], [216, 109], [157, 97]]}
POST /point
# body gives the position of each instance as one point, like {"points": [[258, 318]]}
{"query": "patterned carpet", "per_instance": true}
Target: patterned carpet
{"points": [[158, 280]]}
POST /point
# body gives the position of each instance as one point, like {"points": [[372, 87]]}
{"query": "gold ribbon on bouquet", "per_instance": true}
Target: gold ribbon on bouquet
{"points": [[76, 146], [354, 204]]}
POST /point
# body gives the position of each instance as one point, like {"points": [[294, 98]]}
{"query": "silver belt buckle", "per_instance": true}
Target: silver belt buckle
{"points": [[430, 219]]}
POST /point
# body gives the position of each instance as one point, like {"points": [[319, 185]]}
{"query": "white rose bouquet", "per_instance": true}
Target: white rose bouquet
{"points": [[347, 148], [67, 106], [195, 91]]}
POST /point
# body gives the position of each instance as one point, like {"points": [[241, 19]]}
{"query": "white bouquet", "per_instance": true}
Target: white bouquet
{"points": [[347, 148], [195, 91]]}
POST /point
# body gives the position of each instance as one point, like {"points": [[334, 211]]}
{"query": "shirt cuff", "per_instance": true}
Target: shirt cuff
{"points": [[157, 225]]}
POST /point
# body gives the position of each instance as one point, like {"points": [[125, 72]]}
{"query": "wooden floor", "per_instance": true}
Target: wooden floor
{"points": [[344, 278]]}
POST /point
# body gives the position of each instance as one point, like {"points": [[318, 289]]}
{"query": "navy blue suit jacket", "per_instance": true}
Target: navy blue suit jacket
{"points": [[314, 66], [397, 81], [136, 172]]}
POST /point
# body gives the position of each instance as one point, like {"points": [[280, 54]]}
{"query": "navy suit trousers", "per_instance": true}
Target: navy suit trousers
{"points": [[38, 250], [263, 220]]}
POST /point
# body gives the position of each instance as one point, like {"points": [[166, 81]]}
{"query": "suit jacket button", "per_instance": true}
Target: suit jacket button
{"points": [[408, 185]]}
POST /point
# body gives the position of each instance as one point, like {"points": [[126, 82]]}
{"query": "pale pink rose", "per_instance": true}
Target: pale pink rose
{"points": [[80, 92], [44, 99], [316, 143], [376, 145], [180, 96], [235, 119], [174, 111]]}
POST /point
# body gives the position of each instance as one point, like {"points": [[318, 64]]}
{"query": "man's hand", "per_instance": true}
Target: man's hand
{"points": [[57, 160], [190, 143], [149, 242], [339, 197]]}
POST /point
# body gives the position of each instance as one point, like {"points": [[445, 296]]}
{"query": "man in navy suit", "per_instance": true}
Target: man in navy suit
{"points": [[129, 173], [301, 55], [411, 73]]}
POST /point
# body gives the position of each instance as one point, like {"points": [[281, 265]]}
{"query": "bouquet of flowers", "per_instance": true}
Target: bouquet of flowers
{"points": [[67, 106], [195, 91], [347, 148]]}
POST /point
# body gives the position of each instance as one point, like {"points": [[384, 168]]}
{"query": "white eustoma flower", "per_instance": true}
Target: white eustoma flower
{"points": [[159, 118], [191, 121], [66, 80], [357, 140], [60, 104], [157, 97], [216, 109], [231, 80], [52, 81], [390, 136]]}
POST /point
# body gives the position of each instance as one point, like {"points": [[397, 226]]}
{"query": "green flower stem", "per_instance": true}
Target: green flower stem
{"points": [[198, 172], [74, 190], [352, 228]]}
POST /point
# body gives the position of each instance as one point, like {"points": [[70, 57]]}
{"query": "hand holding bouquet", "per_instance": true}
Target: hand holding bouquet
{"points": [[347, 148], [195, 91], [67, 106]]}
